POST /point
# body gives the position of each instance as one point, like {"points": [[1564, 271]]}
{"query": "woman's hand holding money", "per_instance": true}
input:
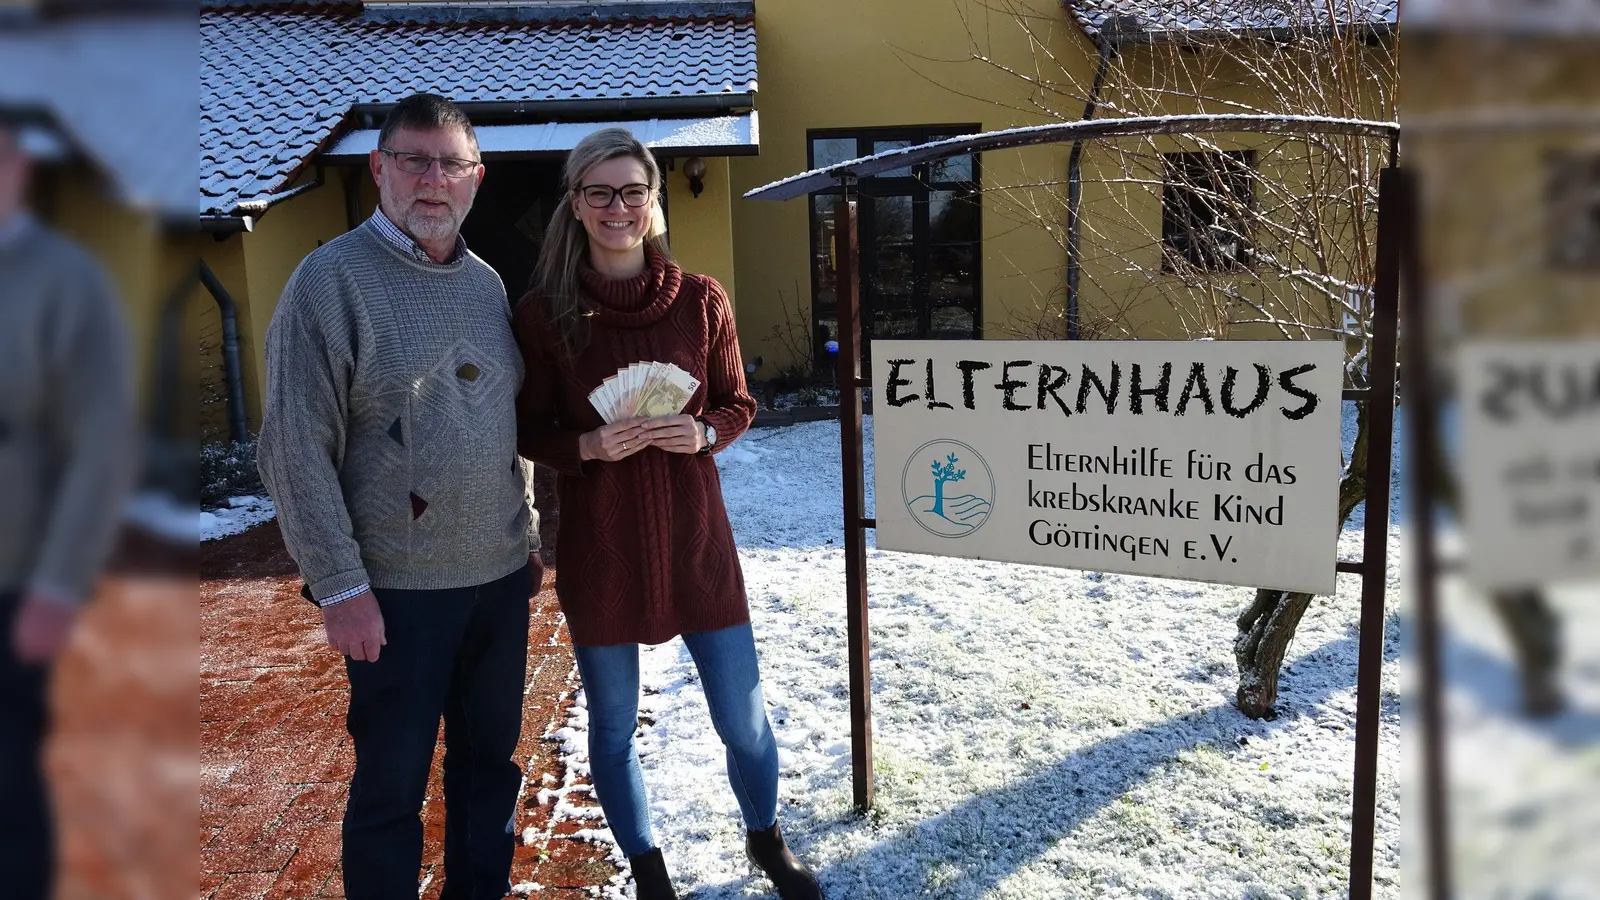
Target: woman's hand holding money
{"points": [[676, 434], [617, 441]]}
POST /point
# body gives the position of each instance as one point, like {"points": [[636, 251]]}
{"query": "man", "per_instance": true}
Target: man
{"points": [[66, 444], [389, 443]]}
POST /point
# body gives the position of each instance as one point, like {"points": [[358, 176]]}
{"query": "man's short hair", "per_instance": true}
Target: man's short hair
{"points": [[426, 112]]}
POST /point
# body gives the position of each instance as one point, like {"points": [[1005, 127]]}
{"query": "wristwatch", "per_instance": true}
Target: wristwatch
{"points": [[711, 436]]}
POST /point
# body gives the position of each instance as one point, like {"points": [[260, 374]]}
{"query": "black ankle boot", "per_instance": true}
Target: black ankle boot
{"points": [[650, 878], [789, 875]]}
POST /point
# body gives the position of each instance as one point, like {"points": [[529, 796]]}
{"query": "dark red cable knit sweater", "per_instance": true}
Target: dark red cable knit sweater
{"points": [[646, 549]]}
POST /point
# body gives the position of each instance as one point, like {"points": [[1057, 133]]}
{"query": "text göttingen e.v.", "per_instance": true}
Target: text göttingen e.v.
{"points": [[1145, 462]]}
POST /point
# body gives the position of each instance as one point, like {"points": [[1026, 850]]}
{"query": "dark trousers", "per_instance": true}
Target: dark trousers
{"points": [[27, 828], [461, 654]]}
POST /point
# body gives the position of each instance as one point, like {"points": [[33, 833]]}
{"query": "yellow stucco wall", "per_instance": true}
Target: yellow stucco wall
{"points": [[281, 239], [700, 229], [150, 266], [255, 266], [1125, 290], [881, 71], [1486, 191], [128, 243], [850, 64], [204, 327], [202, 338]]}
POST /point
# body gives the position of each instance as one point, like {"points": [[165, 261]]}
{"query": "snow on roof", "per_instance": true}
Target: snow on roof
{"points": [[1194, 16], [106, 85], [277, 85]]}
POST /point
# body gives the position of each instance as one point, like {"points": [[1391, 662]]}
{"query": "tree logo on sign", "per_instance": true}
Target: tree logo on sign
{"points": [[947, 488]]}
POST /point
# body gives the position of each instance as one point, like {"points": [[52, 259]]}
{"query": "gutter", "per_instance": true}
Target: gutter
{"points": [[371, 115], [547, 12], [245, 214], [232, 371], [222, 226], [259, 207], [1206, 37], [1106, 43]]}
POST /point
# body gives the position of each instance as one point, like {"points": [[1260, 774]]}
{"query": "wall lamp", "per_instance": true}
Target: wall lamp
{"points": [[694, 169]]}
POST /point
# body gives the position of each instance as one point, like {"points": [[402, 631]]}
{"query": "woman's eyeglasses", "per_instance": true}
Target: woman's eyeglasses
{"points": [[599, 196], [418, 164]]}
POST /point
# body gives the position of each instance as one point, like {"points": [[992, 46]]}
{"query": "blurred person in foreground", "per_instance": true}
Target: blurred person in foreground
{"points": [[66, 448], [389, 442]]}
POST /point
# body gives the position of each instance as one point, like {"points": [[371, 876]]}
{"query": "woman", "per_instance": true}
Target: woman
{"points": [[647, 552]]}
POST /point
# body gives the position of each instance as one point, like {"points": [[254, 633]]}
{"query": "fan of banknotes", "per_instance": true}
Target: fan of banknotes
{"points": [[644, 389]]}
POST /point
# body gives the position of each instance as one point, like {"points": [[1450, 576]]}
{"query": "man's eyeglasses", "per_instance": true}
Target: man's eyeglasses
{"points": [[418, 164], [599, 196]]}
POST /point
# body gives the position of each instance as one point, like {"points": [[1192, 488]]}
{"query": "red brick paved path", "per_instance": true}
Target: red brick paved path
{"points": [[122, 756], [275, 759]]}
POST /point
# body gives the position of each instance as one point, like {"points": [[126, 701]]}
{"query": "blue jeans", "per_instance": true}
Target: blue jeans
{"points": [[731, 678], [458, 654]]}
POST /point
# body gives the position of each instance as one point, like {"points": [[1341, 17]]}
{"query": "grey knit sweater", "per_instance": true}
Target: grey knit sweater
{"points": [[389, 436], [67, 427]]}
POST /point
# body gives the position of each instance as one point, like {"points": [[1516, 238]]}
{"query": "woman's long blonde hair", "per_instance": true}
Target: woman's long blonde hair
{"points": [[555, 279]]}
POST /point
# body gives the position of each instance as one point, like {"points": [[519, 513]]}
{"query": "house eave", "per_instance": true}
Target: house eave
{"points": [[411, 13], [516, 112]]}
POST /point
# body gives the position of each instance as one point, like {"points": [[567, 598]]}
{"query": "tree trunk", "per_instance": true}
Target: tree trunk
{"points": [[1267, 626], [1265, 631], [1533, 626], [1535, 633]]}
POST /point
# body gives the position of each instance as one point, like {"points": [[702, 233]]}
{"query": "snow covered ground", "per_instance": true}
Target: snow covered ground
{"points": [[240, 514], [1524, 794], [1040, 733]]}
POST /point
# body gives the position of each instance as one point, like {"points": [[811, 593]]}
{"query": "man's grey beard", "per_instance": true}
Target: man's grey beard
{"points": [[434, 228], [424, 227]]}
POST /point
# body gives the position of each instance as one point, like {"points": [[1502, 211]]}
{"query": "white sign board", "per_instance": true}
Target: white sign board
{"points": [[1530, 461], [1209, 461]]}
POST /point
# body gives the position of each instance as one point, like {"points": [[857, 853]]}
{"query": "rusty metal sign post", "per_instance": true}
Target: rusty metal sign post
{"points": [[1422, 411], [1396, 228], [856, 523], [1374, 564]]}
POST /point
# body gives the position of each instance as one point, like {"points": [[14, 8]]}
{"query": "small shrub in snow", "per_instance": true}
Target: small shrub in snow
{"points": [[228, 470], [810, 395]]}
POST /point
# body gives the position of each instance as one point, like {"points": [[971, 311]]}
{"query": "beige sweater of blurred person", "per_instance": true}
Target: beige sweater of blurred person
{"points": [[67, 425]]}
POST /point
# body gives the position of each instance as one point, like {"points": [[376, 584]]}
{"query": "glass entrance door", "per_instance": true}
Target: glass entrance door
{"points": [[919, 231]]}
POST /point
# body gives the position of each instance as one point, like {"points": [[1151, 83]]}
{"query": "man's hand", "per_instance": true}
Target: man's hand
{"points": [[536, 564], [676, 434], [613, 442], [41, 630], [355, 627]]}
